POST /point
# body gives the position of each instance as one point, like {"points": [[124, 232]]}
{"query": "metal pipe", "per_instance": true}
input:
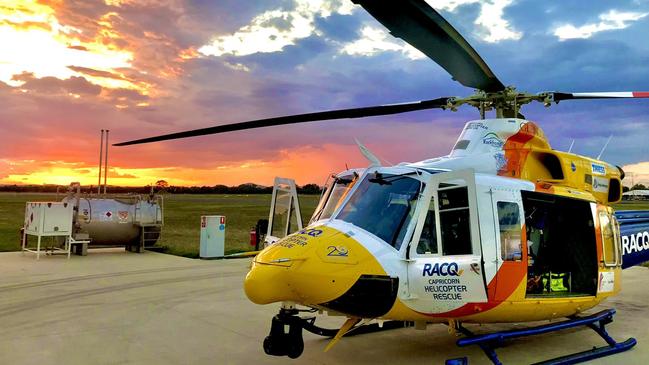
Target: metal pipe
{"points": [[106, 162], [101, 154]]}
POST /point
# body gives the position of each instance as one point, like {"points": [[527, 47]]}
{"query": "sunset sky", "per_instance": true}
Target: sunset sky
{"points": [[145, 67]]}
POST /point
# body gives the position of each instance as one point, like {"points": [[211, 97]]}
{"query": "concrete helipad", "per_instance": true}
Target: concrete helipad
{"points": [[113, 307]]}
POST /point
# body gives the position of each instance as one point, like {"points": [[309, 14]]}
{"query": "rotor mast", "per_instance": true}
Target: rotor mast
{"points": [[507, 103]]}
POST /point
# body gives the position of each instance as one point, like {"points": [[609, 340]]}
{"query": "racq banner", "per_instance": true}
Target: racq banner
{"points": [[634, 232]]}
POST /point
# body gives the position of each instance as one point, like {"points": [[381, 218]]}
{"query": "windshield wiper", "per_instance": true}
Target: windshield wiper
{"points": [[379, 179], [345, 180]]}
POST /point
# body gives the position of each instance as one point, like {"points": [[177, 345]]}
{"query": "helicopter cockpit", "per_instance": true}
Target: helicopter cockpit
{"points": [[383, 204]]}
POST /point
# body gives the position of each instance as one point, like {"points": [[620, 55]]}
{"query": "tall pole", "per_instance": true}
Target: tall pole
{"points": [[101, 154], [106, 162]]}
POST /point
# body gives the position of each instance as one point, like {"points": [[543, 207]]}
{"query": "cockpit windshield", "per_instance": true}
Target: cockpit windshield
{"points": [[383, 204]]}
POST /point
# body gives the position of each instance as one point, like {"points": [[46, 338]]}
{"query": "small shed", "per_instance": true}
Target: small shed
{"points": [[636, 195]]}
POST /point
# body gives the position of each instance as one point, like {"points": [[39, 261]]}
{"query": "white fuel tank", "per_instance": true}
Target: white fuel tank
{"points": [[117, 221]]}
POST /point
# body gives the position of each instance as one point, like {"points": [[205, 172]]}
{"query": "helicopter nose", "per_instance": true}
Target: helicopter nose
{"points": [[310, 267], [268, 283]]}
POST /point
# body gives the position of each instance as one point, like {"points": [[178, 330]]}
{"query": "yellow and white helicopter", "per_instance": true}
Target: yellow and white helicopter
{"points": [[502, 229]]}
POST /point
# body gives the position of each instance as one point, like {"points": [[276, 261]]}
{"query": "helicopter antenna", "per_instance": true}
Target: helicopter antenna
{"points": [[604, 148], [374, 161], [571, 145]]}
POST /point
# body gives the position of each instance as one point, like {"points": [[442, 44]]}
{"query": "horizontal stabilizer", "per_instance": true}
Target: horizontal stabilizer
{"points": [[634, 231]]}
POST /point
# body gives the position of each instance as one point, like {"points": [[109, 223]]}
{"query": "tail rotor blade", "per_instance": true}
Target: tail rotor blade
{"points": [[301, 118]]}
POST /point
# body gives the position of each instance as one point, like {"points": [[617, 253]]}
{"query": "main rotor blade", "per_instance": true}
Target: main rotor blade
{"points": [[301, 118], [558, 96], [421, 26]]}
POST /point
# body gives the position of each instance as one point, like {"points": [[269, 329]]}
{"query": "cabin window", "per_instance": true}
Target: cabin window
{"points": [[609, 240], [455, 222], [383, 204], [510, 231], [428, 240]]}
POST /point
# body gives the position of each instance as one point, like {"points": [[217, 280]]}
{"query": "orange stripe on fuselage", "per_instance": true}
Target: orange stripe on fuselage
{"points": [[501, 288], [515, 151]]}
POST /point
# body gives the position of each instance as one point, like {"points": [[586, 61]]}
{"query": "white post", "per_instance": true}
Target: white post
{"points": [[38, 248], [101, 154], [106, 162], [24, 241]]}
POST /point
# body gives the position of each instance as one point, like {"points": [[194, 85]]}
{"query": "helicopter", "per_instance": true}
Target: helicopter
{"points": [[503, 229]]}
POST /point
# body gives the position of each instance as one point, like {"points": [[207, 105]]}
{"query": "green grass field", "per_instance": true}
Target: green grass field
{"points": [[182, 219], [180, 234]]}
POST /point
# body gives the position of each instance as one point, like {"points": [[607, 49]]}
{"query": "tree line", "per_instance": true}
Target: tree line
{"points": [[634, 187], [162, 188]]}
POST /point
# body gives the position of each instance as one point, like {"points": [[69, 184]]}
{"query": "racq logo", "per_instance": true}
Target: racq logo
{"points": [[493, 140], [443, 269]]}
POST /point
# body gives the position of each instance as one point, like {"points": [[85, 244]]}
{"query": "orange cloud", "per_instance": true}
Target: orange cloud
{"points": [[54, 39], [305, 164], [132, 67]]}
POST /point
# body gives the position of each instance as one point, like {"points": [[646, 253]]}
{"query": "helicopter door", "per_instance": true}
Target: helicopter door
{"points": [[511, 257], [444, 266]]}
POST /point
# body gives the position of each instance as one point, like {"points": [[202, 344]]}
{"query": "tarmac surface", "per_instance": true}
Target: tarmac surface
{"points": [[114, 307]]}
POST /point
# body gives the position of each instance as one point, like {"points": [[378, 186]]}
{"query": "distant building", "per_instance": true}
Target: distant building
{"points": [[636, 195]]}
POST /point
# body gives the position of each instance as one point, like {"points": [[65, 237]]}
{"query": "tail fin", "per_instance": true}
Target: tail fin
{"points": [[634, 231]]}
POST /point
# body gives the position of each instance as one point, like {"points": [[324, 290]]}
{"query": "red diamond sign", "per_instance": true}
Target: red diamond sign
{"points": [[109, 214]]}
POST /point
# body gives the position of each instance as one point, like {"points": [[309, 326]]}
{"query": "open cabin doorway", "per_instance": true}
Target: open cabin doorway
{"points": [[561, 246]]}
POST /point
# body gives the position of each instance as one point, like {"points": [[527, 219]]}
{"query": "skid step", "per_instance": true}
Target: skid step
{"points": [[597, 322]]}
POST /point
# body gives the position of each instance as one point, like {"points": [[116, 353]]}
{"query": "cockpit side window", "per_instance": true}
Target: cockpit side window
{"points": [[334, 195], [455, 221], [326, 193], [383, 204], [338, 194]]}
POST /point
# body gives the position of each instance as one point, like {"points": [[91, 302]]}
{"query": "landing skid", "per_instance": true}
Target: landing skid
{"points": [[597, 322]]}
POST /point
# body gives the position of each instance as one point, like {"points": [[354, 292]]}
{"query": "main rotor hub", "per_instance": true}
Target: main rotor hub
{"points": [[506, 103]]}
